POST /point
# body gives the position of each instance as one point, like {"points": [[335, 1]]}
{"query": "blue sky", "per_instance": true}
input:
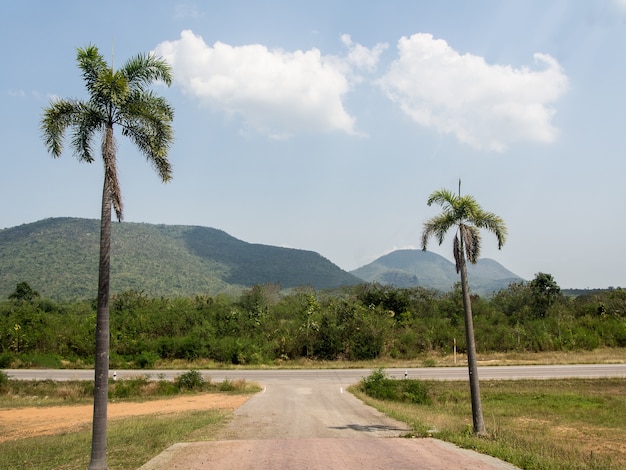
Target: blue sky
{"points": [[325, 125]]}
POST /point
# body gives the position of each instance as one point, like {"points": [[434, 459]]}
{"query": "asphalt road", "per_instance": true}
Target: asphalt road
{"points": [[343, 377], [304, 419]]}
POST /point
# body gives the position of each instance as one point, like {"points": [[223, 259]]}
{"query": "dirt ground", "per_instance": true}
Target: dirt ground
{"points": [[29, 422]]}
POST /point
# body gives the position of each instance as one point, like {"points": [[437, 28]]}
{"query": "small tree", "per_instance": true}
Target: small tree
{"points": [[545, 292], [23, 293]]}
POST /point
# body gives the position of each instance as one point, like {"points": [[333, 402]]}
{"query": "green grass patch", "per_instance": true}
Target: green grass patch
{"points": [[570, 424]]}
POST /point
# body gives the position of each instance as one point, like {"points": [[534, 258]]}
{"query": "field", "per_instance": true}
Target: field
{"points": [[536, 425]]}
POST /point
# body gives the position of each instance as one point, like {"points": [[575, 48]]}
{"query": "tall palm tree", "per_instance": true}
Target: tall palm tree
{"points": [[116, 98], [466, 215]]}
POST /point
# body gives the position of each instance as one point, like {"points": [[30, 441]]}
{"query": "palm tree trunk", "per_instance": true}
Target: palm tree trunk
{"points": [[477, 409], [101, 380]]}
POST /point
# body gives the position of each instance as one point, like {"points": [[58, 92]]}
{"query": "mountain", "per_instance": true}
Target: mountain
{"points": [[409, 268], [58, 257]]}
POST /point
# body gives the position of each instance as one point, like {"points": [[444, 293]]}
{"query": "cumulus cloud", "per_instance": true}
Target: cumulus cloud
{"points": [[485, 106], [276, 92]]}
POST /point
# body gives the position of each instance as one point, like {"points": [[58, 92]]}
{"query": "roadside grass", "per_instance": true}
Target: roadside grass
{"points": [[596, 356], [131, 443], [570, 424], [23, 393]]}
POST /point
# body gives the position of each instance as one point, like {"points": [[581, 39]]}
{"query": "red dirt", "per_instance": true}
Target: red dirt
{"points": [[18, 423]]}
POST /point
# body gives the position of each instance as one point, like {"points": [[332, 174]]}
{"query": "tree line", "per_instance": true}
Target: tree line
{"points": [[266, 325]]}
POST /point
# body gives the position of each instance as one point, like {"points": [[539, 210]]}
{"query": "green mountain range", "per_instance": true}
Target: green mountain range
{"points": [[58, 258], [408, 268]]}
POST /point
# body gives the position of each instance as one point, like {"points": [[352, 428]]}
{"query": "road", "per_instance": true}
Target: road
{"points": [[307, 420], [304, 419], [343, 377]]}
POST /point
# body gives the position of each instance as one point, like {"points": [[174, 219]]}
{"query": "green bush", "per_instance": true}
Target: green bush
{"points": [[191, 380], [414, 391], [6, 360], [146, 359], [4, 381], [378, 385]]}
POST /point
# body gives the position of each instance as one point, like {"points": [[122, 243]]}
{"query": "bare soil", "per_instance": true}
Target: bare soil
{"points": [[20, 423]]}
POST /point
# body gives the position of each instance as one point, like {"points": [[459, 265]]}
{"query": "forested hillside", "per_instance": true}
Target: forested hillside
{"points": [[59, 258], [408, 268]]}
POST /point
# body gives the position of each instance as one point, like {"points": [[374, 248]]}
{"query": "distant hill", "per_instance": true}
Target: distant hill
{"points": [[409, 268], [58, 257]]}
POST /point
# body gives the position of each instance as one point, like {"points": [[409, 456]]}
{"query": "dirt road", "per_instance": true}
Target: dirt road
{"points": [[308, 425]]}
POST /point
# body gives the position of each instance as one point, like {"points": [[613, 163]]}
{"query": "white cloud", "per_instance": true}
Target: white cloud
{"points": [[362, 57], [277, 93], [16, 93], [484, 106]]}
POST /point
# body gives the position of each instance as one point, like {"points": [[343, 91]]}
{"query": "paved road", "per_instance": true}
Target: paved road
{"points": [[344, 377], [309, 421], [304, 419]]}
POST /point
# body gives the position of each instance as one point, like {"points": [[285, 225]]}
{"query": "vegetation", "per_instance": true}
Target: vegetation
{"points": [[266, 325], [570, 424], [132, 442], [59, 257], [463, 214], [117, 99]]}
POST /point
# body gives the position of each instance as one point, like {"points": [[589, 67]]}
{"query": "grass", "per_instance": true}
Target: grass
{"points": [[22, 393], [597, 356], [569, 424], [131, 443]]}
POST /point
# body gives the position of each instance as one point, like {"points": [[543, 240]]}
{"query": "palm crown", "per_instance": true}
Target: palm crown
{"points": [[464, 213], [118, 98]]}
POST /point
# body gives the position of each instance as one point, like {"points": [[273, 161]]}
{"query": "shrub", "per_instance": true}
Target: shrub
{"points": [[6, 360], [4, 381], [378, 385], [190, 380], [146, 359], [414, 391]]}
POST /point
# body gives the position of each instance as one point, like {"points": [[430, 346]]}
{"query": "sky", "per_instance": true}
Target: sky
{"points": [[326, 125]]}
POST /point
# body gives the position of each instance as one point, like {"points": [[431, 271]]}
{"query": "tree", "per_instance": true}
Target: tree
{"points": [[545, 291], [23, 292], [116, 98], [466, 215]]}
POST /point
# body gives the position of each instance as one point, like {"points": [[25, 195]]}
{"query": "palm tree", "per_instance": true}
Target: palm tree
{"points": [[466, 215], [116, 98]]}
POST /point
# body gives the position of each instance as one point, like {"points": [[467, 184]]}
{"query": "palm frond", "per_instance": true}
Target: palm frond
{"points": [[57, 118], [146, 120], [144, 69], [89, 121], [92, 65], [437, 226], [443, 197]]}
